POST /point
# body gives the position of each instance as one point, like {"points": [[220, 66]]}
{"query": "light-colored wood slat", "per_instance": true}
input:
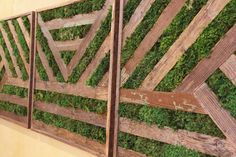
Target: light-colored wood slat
{"points": [[175, 101], [77, 20], [79, 141], [229, 67], [16, 39], [152, 37], [68, 45], [12, 117], [186, 39], [24, 31], [4, 61], [200, 142], [14, 99], [220, 53], [45, 63], [13, 57], [134, 21], [61, 65], [1, 65], [222, 118], [88, 38]]}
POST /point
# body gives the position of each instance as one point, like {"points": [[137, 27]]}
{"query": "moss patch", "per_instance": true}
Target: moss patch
{"points": [[225, 90], [201, 48], [70, 33], [67, 56], [16, 109]]}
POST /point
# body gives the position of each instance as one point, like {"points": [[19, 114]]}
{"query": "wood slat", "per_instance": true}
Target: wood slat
{"points": [[4, 61], [220, 53], [79, 141], [129, 28], [152, 37], [68, 45], [45, 62], [174, 101], [228, 68], [89, 37], [112, 125], [13, 99], [186, 39], [13, 58], [61, 65], [77, 20], [19, 120], [200, 142], [222, 118], [19, 47], [24, 31]]}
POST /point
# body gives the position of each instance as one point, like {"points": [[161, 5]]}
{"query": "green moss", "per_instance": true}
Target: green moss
{"points": [[84, 129], [39, 67], [49, 55], [136, 38], [177, 26], [99, 72], [154, 148], [9, 107], [7, 55], [225, 90], [173, 119], [70, 33], [26, 23], [83, 7], [92, 49], [15, 51], [22, 40], [2, 72], [129, 10], [67, 56], [201, 48], [13, 90]]}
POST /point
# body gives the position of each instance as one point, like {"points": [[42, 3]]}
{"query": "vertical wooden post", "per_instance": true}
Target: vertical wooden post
{"points": [[114, 79], [32, 68]]}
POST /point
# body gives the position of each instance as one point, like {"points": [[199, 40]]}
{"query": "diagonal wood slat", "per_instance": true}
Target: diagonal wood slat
{"points": [[228, 68], [89, 37], [220, 116], [220, 53], [129, 28], [13, 58], [24, 31], [4, 61], [186, 39]]}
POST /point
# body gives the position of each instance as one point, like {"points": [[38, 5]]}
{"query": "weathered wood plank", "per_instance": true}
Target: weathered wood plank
{"points": [[68, 45], [14, 99], [112, 126], [174, 101], [61, 65], [220, 53], [77, 20], [200, 142], [16, 39], [19, 120], [152, 37], [186, 39], [228, 68], [45, 62], [222, 118], [13, 57], [81, 49], [4, 61]]}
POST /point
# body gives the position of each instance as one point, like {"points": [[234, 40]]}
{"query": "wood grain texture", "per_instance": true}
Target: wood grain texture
{"points": [[222, 118], [205, 68], [186, 39], [13, 57], [228, 68]]}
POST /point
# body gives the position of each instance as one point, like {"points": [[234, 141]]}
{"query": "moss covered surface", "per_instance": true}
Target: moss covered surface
{"points": [[225, 90], [67, 56], [13, 108], [16, 52], [201, 48], [70, 33]]}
